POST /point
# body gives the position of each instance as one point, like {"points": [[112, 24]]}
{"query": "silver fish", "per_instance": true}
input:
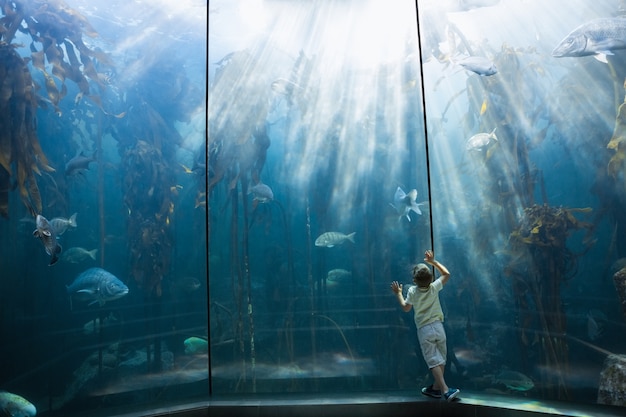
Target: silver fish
{"points": [[79, 163], [404, 203], [480, 140], [597, 37], [97, 286], [61, 224], [45, 232], [77, 254], [330, 239], [16, 406], [477, 64], [262, 193], [338, 274]]}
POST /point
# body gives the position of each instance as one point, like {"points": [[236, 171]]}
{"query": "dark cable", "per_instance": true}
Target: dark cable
{"points": [[421, 64]]}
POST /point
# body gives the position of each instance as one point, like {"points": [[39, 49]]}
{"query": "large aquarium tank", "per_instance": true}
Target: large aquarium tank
{"points": [[206, 200]]}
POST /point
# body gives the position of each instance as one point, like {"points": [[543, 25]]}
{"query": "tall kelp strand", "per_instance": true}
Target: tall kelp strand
{"points": [[20, 153], [53, 28], [541, 241]]}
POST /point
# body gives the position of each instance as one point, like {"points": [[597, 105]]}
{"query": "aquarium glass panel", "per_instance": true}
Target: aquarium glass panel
{"points": [[318, 193], [102, 197]]}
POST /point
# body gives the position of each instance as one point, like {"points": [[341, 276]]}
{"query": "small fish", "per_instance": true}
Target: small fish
{"points": [[61, 224], [16, 406], [480, 141], [261, 192], [46, 233], [596, 320], [515, 381], [79, 163], [77, 254], [597, 37], [97, 286], [187, 284], [330, 239], [483, 108], [404, 203], [477, 64], [195, 345], [338, 274]]}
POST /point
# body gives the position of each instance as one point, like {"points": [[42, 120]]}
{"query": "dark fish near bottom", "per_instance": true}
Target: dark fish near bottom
{"points": [[48, 237]]}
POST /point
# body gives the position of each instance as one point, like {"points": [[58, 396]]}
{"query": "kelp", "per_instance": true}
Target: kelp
{"points": [[55, 30], [21, 155], [616, 163], [543, 225], [540, 240]]}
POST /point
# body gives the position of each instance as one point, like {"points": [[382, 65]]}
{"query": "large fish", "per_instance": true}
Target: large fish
{"points": [[404, 203], [45, 232], [79, 163], [597, 37], [61, 224], [330, 239], [15, 406], [97, 286]]}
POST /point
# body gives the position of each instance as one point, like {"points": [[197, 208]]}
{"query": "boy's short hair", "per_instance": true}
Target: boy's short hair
{"points": [[422, 274]]}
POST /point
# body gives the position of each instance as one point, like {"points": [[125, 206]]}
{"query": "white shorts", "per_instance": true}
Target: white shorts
{"points": [[432, 339]]}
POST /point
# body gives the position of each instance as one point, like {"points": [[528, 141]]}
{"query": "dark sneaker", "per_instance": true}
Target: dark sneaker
{"points": [[451, 394], [429, 391]]}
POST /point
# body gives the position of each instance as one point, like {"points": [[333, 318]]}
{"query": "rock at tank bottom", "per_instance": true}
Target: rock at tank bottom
{"points": [[612, 389]]}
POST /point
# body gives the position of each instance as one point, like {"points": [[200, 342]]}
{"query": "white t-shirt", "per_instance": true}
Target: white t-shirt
{"points": [[425, 302]]}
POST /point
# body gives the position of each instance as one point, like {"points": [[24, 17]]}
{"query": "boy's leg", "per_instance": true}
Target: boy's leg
{"points": [[440, 383]]}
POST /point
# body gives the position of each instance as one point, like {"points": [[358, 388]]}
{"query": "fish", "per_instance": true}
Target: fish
{"points": [[97, 286], [48, 237], [61, 224], [480, 141], [262, 193], [79, 163], [596, 320], [477, 64], [195, 345], [404, 203], [330, 239], [338, 274], [599, 37], [77, 254], [514, 380], [187, 284], [16, 406]]}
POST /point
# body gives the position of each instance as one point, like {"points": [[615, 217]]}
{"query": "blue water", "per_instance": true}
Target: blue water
{"points": [[322, 102]]}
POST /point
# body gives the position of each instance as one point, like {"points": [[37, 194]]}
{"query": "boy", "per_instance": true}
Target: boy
{"points": [[428, 316]]}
